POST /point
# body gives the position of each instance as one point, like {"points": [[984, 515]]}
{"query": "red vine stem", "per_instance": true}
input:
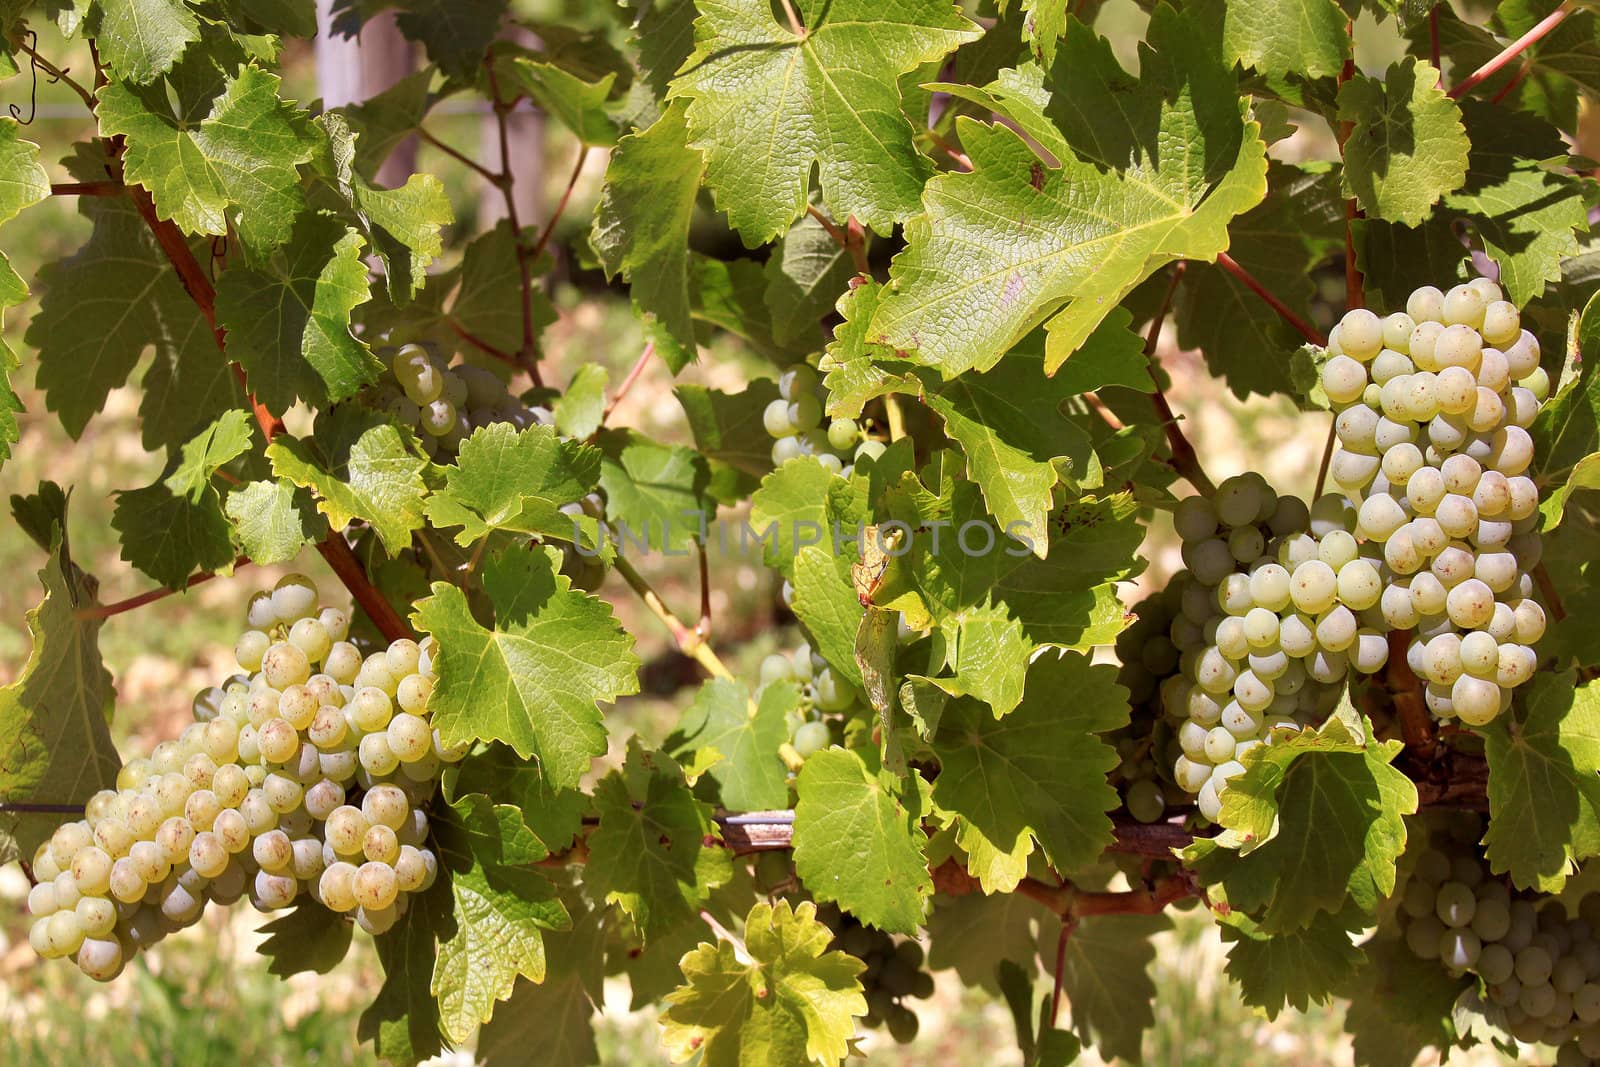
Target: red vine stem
{"points": [[627, 383], [1184, 458], [1512, 50], [1416, 723], [87, 189], [483, 346], [561, 205], [106, 611], [459, 156], [1068, 926], [1547, 587], [1285, 312]]}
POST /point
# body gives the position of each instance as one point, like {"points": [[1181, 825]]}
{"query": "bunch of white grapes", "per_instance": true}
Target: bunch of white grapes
{"points": [[1279, 602], [794, 421], [444, 403], [1434, 405], [822, 693], [305, 775], [1148, 656], [1540, 967]]}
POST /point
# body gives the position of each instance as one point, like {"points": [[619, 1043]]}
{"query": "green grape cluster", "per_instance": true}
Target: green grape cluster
{"points": [[894, 972], [446, 403], [1148, 656], [1539, 966], [794, 421], [1434, 405], [1276, 607], [822, 693], [306, 775]]}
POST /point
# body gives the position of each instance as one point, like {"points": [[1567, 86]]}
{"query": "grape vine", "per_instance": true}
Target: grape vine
{"points": [[915, 312]]}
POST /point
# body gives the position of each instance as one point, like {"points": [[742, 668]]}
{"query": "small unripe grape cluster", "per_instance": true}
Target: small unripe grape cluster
{"points": [[1540, 967], [794, 421], [1148, 656], [822, 693], [305, 775], [1278, 605], [1434, 405], [444, 403], [894, 973]]}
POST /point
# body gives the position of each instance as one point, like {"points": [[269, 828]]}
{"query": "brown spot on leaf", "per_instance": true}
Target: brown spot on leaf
{"points": [[1036, 176]]}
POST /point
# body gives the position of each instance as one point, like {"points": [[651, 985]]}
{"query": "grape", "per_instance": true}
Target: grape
{"points": [[811, 738], [1360, 334], [1343, 379], [1379, 516], [294, 597], [1195, 519], [375, 886], [1313, 587], [1144, 800]]}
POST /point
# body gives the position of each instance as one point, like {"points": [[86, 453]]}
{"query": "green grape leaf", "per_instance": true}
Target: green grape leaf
{"points": [[141, 39], [1407, 147], [855, 370], [1400, 1004], [799, 501], [509, 479], [537, 679], [1286, 37], [1299, 225], [785, 998], [25, 184], [641, 229], [1083, 234], [858, 839], [1396, 259], [38, 513], [551, 814], [403, 1020], [656, 491], [805, 275], [488, 303], [177, 523], [55, 740], [574, 101], [290, 18], [579, 409], [1544, 784], [309, 938], [1527, 214], [404, 225], [273, 520], [826, 603], [1008, 422], [1315, 824], [731, 295], [728, 427], [1112, 355], [383, 122], [214, 448], [1055, 790], [1585, 474], [555, 1016], [766, 106], [657, 852], [105, 305], [360, 467], [1067, 598], [986, 649], [288, 320], [231, 143], [456, 33], [1106, 982], [750, 776], [500, 912], [1289, 969], [979, 932]]}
